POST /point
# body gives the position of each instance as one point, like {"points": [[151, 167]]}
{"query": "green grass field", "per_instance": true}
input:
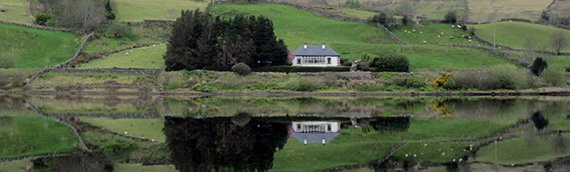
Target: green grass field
{"points": [[517, 34], [434, 34], [27, 134], [524, 150], [17, 11], [484, 10], [138, 10], [146, 57], [298, 26], [124, 167], [36, 48], [148, 128]]}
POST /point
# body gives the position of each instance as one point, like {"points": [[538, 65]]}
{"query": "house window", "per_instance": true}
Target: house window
{"points": [[329, 128], [329, 60], [298, 61]]}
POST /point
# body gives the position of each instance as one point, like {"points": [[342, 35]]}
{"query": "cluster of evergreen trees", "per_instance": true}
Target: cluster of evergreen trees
{"points": [[201, 41]]}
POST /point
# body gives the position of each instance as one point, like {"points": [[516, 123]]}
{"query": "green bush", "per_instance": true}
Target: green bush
{"points": [[538, 66], [241, 69], [510, 76], [118, 30], [293, 69], [409, 82], [483, 80], [391, 63], [302, 84], [7, 61], [43, 18], [450, 17], [554, 77]]}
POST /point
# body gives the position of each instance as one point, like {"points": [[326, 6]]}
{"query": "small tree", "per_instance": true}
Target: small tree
{"points": [[43, 18], [406, 20], [538, 66], [450, 17], [383, 19], [241, 69], [558, 42]]}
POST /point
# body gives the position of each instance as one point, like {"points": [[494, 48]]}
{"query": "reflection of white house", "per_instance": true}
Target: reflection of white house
{"points": [[315, 131], [315, 56]]}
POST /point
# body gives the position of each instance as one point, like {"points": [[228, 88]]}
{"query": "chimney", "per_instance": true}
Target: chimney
{"points": [[324, 46], [305, 46]]}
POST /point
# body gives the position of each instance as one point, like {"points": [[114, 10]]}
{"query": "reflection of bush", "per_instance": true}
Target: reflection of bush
{"points": [[442, 109], [217, 143]]}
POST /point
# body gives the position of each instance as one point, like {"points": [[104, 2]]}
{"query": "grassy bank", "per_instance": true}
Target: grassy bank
{"points": [[147, 57], [36, 48], [138, 10]]}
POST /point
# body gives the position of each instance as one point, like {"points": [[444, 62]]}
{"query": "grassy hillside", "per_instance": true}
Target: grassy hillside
{"points": [[17, 11], [138, 10], [433, 34], [484, 10], [517, 34], [146, 57], [36, 48], [299, 26]]}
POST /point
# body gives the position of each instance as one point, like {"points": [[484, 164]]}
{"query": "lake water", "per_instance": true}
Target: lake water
{"points": [[147, 133]]}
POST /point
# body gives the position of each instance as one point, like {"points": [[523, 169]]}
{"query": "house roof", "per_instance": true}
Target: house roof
{"points": [[315, 51], [314, 137]]}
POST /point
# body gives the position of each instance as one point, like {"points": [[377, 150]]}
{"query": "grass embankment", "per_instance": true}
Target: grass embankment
{"points": [[93, 106], [484, 10], [517, 34], [36, 48], [146, 57], [17, 11], [525, 150], [141, 128], [143, 34], [25, 133], [65, 81], [138, 10]]}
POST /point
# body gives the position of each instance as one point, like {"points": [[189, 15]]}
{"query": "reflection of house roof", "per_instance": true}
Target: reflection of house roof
{"points": [[314, 137]]}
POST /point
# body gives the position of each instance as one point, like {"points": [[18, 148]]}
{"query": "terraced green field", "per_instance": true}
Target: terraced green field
{"points": [[36, 48], [484, 10], [16, 11], [138, 10], [434, 34], [517, 34], [146, 57]]}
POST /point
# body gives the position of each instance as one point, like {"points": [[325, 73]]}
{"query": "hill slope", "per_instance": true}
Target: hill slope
{"points": [[517, 34], [36, 48]]}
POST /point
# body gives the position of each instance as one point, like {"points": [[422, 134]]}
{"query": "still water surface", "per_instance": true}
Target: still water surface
{"points": [[109, 133]]}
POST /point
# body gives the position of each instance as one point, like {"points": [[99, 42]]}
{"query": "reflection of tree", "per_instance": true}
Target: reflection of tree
{"points": [[385, 124], [216, 144], [73, 163], [539, 120], [559, 142]]}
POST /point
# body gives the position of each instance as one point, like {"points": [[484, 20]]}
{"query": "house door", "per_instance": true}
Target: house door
{"points": [[298, 61], [329, 60]]}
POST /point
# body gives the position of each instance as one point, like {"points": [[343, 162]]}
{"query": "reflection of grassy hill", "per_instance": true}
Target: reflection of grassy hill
{"points": [[517, 34], [147, 128], [24, 133], [36, 48], [524, 150]]}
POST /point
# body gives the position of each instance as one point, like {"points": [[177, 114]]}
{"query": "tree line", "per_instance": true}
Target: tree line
{"points": [[83, 15], [202, 41]]}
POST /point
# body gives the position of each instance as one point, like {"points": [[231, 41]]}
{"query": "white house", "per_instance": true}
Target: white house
{"points": [[315, 56], [315, 131]]}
